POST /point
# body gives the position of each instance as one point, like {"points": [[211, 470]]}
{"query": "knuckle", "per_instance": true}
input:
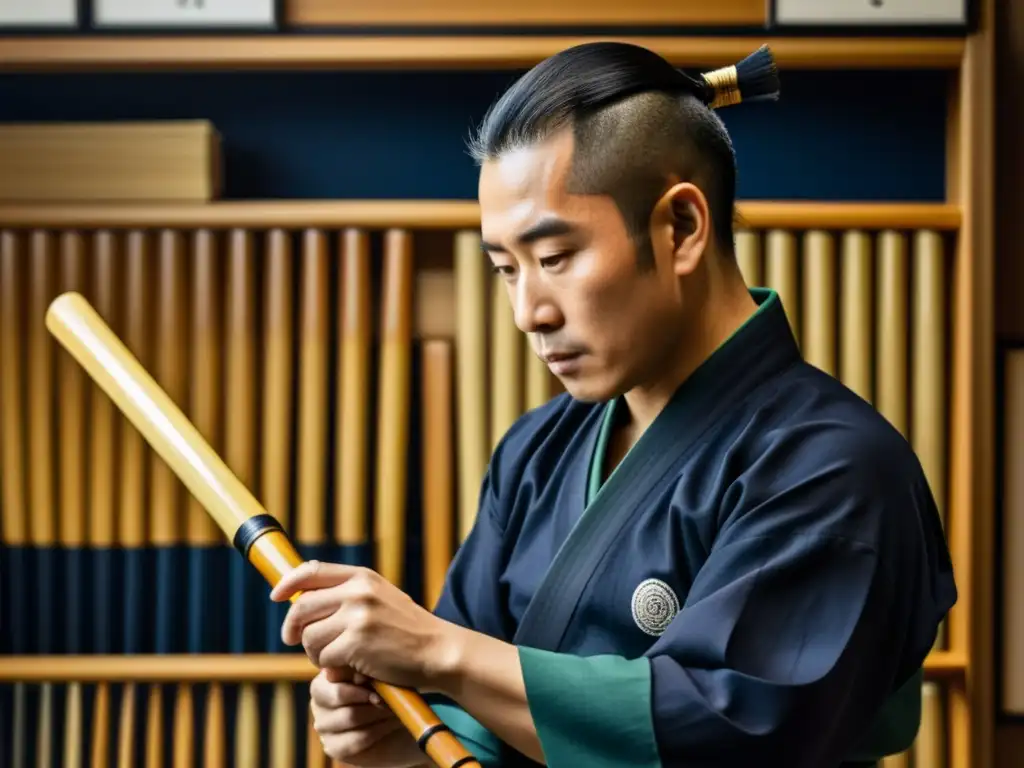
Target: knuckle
{"points": [[321, 692], [348, 720], [300, 608], [365, 584], [318, 726], [337, 696], [310, 646], [329, 656], [361, 619], [332, 749], [330, 696], [316, 690], [336, 750], [359, 741], [343, 746]]}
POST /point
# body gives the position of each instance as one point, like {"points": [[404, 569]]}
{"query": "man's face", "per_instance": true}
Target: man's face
{"points": [[599, 320]]}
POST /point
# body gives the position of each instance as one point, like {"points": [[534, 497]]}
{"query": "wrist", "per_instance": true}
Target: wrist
{"points": [[448, 658]]}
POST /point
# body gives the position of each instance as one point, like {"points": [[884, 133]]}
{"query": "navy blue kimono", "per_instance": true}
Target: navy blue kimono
{"points": [[758, 582]]}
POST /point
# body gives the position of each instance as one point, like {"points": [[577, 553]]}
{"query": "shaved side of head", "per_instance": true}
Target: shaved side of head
{"points": [[630, 149], [637, 122]]}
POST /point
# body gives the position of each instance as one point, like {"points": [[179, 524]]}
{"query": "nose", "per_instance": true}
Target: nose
{"points": [[535, 310]]}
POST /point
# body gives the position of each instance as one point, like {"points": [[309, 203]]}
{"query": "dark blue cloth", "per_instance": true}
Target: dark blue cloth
{"points": [[791, 522]]}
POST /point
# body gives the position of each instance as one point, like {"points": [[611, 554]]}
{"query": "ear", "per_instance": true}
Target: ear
{"points": [[682, 222]]}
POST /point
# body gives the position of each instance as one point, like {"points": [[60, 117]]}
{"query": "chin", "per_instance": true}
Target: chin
{"points": [[589, 391]]}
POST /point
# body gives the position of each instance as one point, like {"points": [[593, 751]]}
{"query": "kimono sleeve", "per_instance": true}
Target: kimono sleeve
{"points": [[821, 595], [472, 595], [471, 599]]}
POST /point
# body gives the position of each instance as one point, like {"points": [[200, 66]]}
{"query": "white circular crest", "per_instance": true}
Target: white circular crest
{"points": [[654, 606]]}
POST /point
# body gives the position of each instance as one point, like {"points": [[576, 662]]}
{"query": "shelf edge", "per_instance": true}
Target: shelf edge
{"points": [[451, 52], [255, 668], [441, 214]]}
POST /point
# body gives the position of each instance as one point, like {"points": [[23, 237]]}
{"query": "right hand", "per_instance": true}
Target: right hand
{"points": [[354, 725]]}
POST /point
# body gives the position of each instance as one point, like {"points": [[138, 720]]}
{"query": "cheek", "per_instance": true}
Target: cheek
{"points": [[624, 312], [612, 307]]}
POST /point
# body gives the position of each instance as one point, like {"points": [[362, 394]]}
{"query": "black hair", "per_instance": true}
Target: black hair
{"points": [[635, 118]]}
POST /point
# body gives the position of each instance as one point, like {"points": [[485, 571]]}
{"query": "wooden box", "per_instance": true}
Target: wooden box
{"points": [[167, 161]]}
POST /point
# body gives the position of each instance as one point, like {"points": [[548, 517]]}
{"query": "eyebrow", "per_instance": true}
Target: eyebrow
{"points": [[549, 227]]}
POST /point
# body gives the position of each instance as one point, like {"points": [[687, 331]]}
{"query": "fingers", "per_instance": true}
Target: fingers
{"points": [[310, 607], [325, 693], [350, 744], [312, 574], [349, 718], [343, 674], [332, 646], [342, 719], [320, 634]]}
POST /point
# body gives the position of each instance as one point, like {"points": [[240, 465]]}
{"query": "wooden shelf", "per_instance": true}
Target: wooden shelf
{"points": [[945, 664], [331, 51], [441, 214], [255, 668]]}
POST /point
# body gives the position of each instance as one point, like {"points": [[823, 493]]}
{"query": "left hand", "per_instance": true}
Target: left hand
{"points": [[353, 617]]}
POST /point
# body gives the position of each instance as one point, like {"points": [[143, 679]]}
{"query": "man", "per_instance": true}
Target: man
{"points": [[705, 553]]}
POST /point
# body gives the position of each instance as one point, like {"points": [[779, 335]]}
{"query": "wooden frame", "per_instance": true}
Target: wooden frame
{"points": [[965, 666], [1003, 550], [332, 51], [971, 186], [255, 668], [443, 215]]}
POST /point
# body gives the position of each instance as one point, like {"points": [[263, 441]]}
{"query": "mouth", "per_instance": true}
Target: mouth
{"points": [[558, 357], [561, 363]]}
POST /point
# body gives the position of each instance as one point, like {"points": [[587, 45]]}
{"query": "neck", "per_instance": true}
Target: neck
{"points": [[724, 308]]}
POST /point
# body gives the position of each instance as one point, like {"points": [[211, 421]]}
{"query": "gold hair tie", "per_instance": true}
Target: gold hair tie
{"points": [[755, 78], [725, 81]]}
